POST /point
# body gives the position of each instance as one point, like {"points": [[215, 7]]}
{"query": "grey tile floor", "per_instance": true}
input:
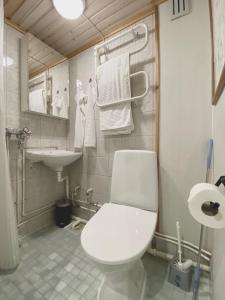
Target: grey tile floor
{"points": [[54, 267]]}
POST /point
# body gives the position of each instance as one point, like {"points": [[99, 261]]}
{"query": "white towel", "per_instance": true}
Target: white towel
{"points": [[37, 101], [80, 120], [90, 133], [113, 84], [57, 103], [64, 111]]}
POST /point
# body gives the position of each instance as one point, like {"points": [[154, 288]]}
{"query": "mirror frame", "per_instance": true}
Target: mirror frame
{"points": [[24, 80]]}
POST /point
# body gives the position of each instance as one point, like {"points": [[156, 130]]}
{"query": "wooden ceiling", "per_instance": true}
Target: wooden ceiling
{"points": [[40, 18], [69, 37], [40, 55]]}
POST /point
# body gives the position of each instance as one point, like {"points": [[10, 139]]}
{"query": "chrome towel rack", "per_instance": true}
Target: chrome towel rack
{"points": [[144, 74]]}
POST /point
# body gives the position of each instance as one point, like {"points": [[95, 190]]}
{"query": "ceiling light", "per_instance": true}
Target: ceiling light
{"points": [[69, 9]]}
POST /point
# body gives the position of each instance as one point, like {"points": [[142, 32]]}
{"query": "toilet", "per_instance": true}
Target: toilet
{"points": [[119, 234]]}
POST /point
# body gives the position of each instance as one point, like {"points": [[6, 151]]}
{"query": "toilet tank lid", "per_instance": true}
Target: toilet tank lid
{"points": [[135, 179]]}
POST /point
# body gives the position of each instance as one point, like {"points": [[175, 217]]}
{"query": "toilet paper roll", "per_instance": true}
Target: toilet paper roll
{"points": [[206, 204]]}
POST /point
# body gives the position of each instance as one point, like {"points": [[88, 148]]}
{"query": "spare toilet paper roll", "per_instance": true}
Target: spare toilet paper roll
{"points": [[206, 204]]}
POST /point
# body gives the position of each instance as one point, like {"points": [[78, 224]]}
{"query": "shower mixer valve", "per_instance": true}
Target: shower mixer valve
{"points": [[22, 135]]}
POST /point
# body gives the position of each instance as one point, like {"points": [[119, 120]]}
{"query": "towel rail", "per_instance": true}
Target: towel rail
{"points": [[131, 30], [136, 74], [142, 73]]}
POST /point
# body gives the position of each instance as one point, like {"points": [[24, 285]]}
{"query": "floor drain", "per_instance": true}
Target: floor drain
{"points": [[76, 226]]}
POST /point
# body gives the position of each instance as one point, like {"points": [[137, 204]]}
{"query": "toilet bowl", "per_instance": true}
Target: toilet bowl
{"points": [[118, 235]]}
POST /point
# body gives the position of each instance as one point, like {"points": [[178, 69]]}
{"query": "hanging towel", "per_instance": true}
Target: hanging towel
{"points": [[57, 104], [64, 111], [37, 101], [113, 84], [90, 132], [80, 120]]}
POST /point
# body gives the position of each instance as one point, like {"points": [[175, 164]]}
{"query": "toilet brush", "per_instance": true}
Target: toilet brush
{"points": [[180, 270], [182, 265]]}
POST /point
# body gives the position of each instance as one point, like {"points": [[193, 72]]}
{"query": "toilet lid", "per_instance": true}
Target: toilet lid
{"points": [[118, 234]]}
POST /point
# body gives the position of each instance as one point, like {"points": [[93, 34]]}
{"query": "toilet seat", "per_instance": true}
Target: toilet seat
{"points": [[118, 234]]}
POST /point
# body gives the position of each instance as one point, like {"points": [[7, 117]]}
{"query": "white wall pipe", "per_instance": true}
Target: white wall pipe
{"points": [[168, 257], [66, 179], [207, 253], [34, 217], [88, 209], [35, 212], [39, 211], [186, 247]]}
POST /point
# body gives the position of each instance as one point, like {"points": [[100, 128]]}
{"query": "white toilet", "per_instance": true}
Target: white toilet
{"points": [[118, 235]]}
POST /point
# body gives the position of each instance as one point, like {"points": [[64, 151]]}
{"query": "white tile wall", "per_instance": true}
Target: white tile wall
{"points": [[41, 184], [96, 166]]}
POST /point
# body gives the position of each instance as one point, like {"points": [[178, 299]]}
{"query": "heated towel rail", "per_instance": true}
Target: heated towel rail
{"points": [[103, 45]]}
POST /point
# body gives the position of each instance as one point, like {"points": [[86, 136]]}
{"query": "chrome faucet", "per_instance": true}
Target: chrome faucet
{"points": [[22, 135]]}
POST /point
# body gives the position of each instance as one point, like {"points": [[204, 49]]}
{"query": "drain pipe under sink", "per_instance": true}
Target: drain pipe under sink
{"points": [[62, 179]]}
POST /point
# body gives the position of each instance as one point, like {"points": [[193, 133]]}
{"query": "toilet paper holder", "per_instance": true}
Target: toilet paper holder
{"points": [[211, 208], [220, 181]]}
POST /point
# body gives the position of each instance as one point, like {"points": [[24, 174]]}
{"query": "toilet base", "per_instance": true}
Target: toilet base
{"points": [[125, 282]]}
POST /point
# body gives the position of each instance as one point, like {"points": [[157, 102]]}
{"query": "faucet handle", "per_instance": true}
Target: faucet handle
{"points": [[27, 131]]}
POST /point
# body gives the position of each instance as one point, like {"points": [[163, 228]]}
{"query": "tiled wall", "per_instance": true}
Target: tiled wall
{"points": [[41, 184], [96, 167]]}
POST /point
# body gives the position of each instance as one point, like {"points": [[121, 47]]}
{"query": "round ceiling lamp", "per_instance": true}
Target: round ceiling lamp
{"points": [[69, 9]]}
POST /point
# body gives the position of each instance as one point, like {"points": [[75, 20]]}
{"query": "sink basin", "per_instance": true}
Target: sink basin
{"points": [[54, 159]]}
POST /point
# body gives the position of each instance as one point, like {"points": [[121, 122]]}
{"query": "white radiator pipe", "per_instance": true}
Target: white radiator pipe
{"points": [[186, 247], [35, 212], [184, 243], [168, 257], [35, 216]]}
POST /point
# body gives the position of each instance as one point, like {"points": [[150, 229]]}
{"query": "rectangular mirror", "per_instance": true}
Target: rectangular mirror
{"points": [[44, 89]]}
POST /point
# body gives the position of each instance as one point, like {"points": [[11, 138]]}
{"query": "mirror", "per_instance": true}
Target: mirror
{"points": [[44, 84]]}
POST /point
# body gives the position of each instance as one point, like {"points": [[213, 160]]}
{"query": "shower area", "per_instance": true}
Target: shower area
{"points": [[9, 243], [28, 189], [34, 185]]}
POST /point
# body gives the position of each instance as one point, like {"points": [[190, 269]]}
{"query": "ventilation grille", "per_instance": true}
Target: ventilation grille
{"points": [[180, 8]]}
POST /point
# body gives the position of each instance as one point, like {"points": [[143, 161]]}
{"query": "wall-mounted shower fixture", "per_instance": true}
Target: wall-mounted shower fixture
{"points": [[22, 135]]}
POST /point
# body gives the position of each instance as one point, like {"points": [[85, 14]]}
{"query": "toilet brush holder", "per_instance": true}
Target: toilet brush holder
{"points": [[179, 277]]}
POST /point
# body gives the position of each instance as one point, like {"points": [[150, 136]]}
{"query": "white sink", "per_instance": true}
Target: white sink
{"points": [[54, 159]]}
